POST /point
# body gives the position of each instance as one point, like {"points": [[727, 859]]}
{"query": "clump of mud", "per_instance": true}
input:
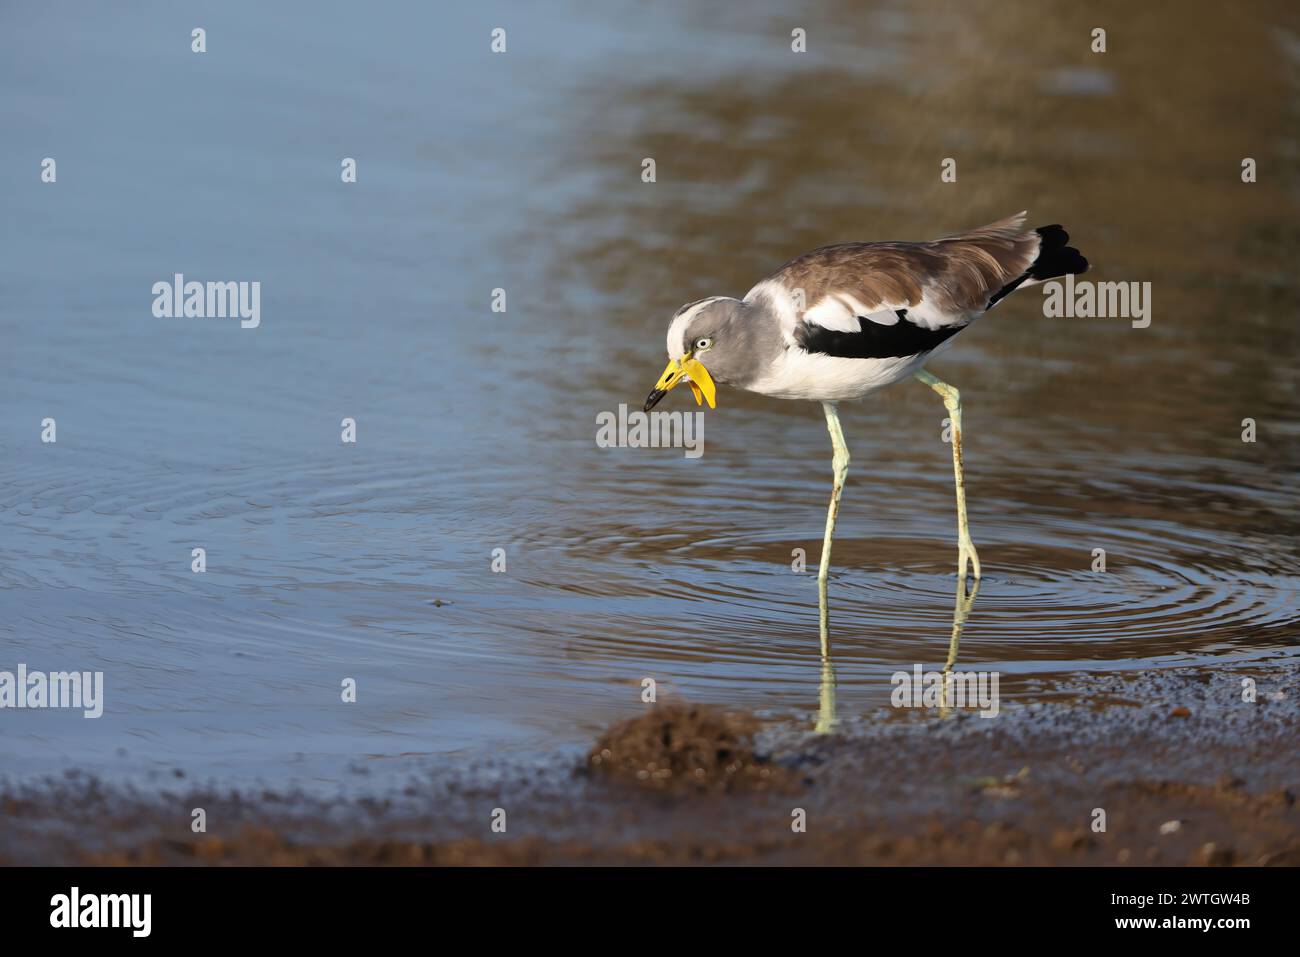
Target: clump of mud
{"points": [[685, 748]]}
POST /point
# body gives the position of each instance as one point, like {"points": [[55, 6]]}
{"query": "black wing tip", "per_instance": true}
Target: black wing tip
{"points": [[1053, 236], [1055, 258]]}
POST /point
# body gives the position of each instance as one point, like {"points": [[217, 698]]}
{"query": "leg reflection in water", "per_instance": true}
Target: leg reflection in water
{"points": [[826, 695], [960, 612], [826, 717]]}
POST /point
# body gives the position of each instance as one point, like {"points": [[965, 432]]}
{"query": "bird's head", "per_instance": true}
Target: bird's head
{"points": [[703, 347]]}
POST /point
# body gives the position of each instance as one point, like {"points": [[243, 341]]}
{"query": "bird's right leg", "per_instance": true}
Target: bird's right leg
{"points": [[840, 463], [952, 402]]}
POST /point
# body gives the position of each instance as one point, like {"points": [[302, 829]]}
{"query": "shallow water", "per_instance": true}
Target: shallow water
{"points": [[476, 430]]}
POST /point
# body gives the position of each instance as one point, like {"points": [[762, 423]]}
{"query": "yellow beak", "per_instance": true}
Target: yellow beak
{"points": [[690, 369]]}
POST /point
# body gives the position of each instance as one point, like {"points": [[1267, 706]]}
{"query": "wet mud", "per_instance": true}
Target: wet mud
{"points": [[1169, 767], [682, 748]]}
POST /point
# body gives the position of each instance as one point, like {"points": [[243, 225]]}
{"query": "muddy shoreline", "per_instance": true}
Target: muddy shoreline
{"points": [[1185, 771]]}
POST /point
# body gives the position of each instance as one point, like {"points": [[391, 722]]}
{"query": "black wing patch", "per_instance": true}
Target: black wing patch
{"points": [[873, 340]]}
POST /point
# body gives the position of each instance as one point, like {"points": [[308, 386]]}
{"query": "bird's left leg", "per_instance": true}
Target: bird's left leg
{"points": [[840, 465], [952, 402]]}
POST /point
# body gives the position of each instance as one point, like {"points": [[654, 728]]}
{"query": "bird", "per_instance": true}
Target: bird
{"points": [[845, 320]]}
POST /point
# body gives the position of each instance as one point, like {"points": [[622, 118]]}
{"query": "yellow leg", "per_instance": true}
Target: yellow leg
{"points": [[840, 463], [952, 402]]}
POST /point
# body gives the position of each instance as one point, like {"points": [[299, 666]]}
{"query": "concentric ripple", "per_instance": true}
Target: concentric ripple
{"points": [[733, 618]]}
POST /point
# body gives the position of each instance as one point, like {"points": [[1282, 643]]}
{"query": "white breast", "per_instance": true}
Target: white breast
{"points": [[804, 375]]}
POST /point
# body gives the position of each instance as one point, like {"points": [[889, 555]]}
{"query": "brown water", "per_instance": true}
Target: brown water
{"points": [[479, 429]]}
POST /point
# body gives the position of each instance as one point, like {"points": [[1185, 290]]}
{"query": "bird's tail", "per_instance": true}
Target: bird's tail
{"points": [[1055, 258]]}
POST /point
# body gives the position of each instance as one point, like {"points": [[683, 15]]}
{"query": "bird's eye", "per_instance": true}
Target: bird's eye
{"points": [[702, 344]]}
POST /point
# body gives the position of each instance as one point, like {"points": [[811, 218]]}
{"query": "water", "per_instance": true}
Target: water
{"points": [[476, 430]]}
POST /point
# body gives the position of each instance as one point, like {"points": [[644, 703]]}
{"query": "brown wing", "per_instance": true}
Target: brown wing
{"points": [[951, 278]]}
